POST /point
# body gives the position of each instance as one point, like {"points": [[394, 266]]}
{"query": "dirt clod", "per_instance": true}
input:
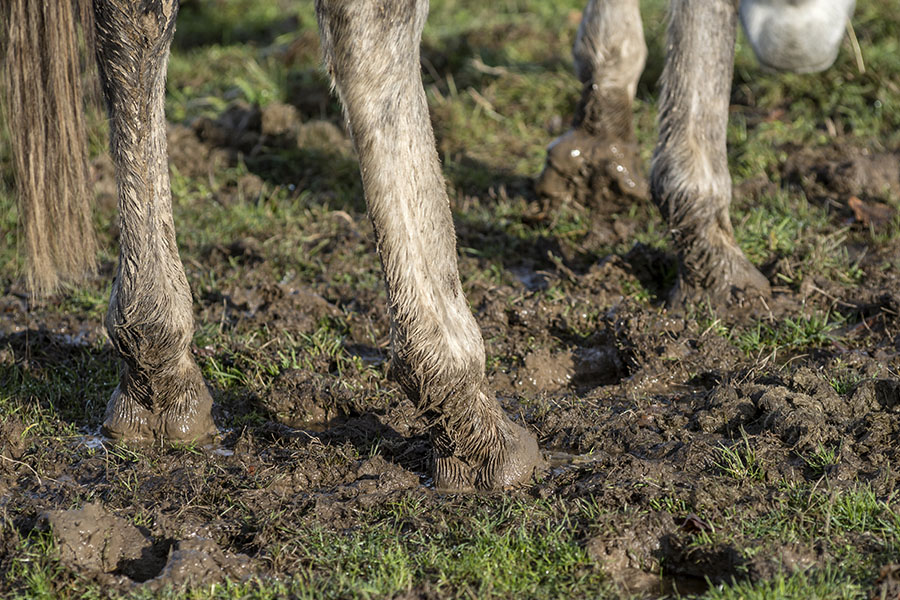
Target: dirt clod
{"points": [[94, 540]]}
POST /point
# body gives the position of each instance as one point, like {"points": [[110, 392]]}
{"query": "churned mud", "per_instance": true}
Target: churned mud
{"points": [[633, 405]]}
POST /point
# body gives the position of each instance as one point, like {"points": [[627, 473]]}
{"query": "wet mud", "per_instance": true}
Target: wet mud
{"points": [[634, 403]]}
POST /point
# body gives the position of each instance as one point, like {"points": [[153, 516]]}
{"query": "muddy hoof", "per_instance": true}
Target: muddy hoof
{"points": [[185, 418], [730, 279], [590, 170], [509, 463]]}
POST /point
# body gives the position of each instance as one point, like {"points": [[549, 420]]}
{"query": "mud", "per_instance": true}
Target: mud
{"points": [[645, 399], [595, 164], [97, 543]]}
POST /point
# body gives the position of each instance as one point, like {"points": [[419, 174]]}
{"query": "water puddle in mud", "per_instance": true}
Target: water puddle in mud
{"points": [[560, 461], [92, 439], [95, 440], [532, 280]]}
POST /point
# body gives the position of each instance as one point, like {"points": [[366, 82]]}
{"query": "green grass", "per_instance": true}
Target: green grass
{"points": [[740, 460], [829, 584], [790, 334], [498, 548], [822, 458]]}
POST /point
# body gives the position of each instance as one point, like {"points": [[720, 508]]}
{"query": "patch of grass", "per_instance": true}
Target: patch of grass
{"points": [[509, 548], [670, 504], [36, 574], [57, 388], [863, 529], [844, 383], [827, 584], [791, 334], [740, 460], [501, 551], [822, 458]]}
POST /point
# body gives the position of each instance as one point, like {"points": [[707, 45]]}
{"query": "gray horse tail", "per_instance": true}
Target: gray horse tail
{"points": [[43, 110]]}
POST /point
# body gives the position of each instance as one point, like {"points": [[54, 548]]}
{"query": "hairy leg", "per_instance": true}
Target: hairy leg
{"points": [[599, 155], [371, 48], [689, 177], [150, 320]]}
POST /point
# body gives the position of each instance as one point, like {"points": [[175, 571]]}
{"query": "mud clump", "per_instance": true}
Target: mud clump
{"points": [[93, 540], [279, 119], [544, 371], [200, 561], [844, 171], [12, 448], [12, 439], [637, 544]]}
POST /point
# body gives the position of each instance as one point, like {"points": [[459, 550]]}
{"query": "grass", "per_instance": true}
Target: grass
{"points": [[790, 334], [825, 585], [822, 459], [496, 548], [740, 460]]}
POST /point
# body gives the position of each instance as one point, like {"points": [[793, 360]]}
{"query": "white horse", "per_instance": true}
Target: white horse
{"points": [[371, 49]]}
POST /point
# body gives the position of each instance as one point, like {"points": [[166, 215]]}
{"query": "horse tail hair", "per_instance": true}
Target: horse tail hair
{"points": [[44, 112]]}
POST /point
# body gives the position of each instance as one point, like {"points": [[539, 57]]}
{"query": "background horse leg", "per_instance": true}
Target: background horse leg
{"points": [[599, 155], [372, 51], [150, 320], [689, 177]]}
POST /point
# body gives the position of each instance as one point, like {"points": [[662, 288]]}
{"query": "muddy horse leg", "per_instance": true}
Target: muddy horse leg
{"points": [[599, 155], [371, 48], [689, 177], [161, 393]]}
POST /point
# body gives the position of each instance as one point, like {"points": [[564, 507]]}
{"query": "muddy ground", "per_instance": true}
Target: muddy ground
{"points": [[581, 350]]}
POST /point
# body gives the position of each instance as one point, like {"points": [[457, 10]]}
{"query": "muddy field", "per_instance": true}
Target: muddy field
{"points": [[749, 453]]}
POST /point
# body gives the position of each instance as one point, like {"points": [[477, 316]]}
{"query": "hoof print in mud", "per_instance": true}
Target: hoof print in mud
{"points": [[93, 540]]}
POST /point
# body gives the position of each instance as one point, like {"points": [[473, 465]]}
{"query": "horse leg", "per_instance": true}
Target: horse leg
{"points": [[689, 178], [161, 393], [371, 49], [599, 155]]}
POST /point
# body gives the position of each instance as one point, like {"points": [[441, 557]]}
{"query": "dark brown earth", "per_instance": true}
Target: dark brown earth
{"points": [[644, 398]]}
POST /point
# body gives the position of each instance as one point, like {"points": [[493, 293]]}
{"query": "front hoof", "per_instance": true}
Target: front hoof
{"points": [[188, 418], [731, 279], [127, 419], [510, 462]]}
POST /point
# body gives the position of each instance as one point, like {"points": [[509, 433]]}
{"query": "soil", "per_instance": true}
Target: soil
{"points": [[643, 400]]}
